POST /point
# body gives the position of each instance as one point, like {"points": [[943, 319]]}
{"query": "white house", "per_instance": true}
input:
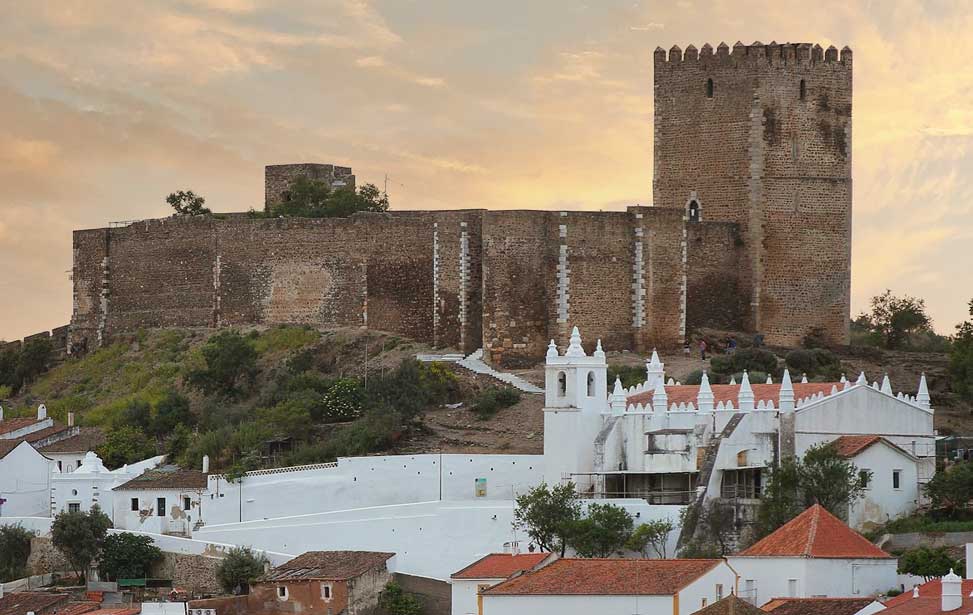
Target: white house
{"points": [[68, 453], [893, 489], [813, 555], [466, 584], [25, 480], [92, 483], [164, 500], [612, 587], [949, 594]]}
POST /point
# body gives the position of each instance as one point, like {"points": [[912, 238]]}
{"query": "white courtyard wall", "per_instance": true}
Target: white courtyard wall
{"points": [[705, 588], [463, 592]]}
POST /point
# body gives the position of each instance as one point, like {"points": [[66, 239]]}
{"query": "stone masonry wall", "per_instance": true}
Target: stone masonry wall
{"points": [[716, 296], [761, 136], [278, 178]]}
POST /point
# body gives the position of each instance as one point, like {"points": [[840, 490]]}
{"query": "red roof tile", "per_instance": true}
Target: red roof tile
{"points": [[166, 477], [21, 603], [500, 565], [685, 393], [731, 605], [849, 446], [87, 439], [815, 533], [929, 600], [606, 577], [10, 425], [330, 565], [78, 608], [816, 606]]}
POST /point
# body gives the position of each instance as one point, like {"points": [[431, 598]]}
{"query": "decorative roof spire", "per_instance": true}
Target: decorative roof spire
{"points": [[733, 380], [704, 398], [786, 392], [617, 401], [803, 378], [599, 352], [770, 379], [660, 400], [745, 397], [922, 398], [552, 350], [886, 385], [575, 349], [843, 379], [862, 379], [655, 370]]}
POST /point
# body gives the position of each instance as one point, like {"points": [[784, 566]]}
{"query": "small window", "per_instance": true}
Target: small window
{"points": [[709, 88], [803, 90], [792, 588], [326, 592], [703, 602], [135, 504], [694, 211], [562, 384], [74, 507], [77, 463], [864, 476], [591, 384], [896, 479], [74, 492], [719, 592], [160, 507], [186, 502], [282, 592], [59, 467]]}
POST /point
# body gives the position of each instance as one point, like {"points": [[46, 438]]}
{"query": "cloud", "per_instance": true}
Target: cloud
{"points": [[649, 27]]}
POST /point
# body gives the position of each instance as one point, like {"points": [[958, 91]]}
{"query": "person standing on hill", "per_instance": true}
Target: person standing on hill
{"points": [[702, 349]]}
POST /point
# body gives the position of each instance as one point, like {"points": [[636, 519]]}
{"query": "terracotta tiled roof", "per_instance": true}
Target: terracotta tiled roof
{"points": [[88, 439], [78, 608], [929, 600], [166, 477], [8, 445], [47, 432], [815, 533], [21, 603], [500, 565], [816, 606], [329, 565], [731, 605], [849, 446], [685, 393], [132, 610], [607, 577], [9, 425]]}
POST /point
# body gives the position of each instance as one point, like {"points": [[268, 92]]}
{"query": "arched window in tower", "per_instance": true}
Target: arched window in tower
{"points": [[591, 384], [694, 211], [562, 384], [803, 90], [709, 88]]}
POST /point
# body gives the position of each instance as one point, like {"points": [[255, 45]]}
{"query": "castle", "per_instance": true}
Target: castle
{"points": [[750, 230]]}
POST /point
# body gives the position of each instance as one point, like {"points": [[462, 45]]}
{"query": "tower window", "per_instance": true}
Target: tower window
{"points": [[562, 384], [591, 384], [709, 88], [803, 90], [694, 211]]}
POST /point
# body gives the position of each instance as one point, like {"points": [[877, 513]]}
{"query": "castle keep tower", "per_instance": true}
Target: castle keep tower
{"points": [[760, 136], [278, 178]]}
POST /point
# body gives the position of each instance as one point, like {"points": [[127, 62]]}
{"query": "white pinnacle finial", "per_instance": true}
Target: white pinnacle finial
{"points": [[862, 379], [552, 350], [618, 401], [704, 399], [922, 397], [915, 591], [619, 390], [655, 358], [745, 397], [770, 379], [599, 352], [786, 392], [886, 384], [660, 400], [733, 380], [575, 349], [843, 379], [803, 378]]}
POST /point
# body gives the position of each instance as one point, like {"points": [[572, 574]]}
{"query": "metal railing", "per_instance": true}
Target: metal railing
{"points": [[681, 498]]}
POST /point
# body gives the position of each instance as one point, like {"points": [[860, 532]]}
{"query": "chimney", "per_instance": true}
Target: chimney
{"points": [[70, 419], [41, 412], [205, 464], [969, 560], [952, 592]]}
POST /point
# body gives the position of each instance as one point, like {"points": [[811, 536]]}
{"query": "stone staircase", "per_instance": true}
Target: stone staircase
{"points": [[474, 362]]}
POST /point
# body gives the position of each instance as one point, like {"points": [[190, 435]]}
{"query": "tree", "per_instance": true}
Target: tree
{"points": [[604, 530], [927, 562], [652, 535], [80, 536], [171, 412], [128, 556], [187, 203], [240, 567], [308, 198], [14, 551], [952, 489], [821, 477], [896, 318], [961, 359], [396, 601], [713, 530], [125, 444], [137, 414], [548, 514], [231, 364]]}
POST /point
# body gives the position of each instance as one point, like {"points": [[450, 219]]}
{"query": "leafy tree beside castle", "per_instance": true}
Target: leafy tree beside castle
{"points": [[896, 323], [961, 359], [308, 198], [187, 203]]}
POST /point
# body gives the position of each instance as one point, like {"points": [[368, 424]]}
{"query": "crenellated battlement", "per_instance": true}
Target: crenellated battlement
{"points": [[772, 54]]}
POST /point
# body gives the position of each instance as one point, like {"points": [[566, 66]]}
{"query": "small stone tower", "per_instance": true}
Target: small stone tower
{"points": [[278, 178], [760, 135]]}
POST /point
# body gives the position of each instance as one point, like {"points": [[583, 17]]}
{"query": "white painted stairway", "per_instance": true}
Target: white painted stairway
{"points": [[474, 362]]}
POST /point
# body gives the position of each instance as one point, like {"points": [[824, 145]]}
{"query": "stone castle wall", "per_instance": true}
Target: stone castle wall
{"points": [[760, 136]]}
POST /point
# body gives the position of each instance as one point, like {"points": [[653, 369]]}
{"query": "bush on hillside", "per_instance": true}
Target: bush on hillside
{"points": [[750, 359], [630, 375], [14, 551], [817, 363], [241, 567], [127, 556], [230, 365], [492, 400]]}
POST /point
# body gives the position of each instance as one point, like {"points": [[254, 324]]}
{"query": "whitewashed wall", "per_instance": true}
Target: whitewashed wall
{"points": [[882, 502], [816, 577], [25, 483], [463, 593], [361, 482], [176, 519], [691, 597]]}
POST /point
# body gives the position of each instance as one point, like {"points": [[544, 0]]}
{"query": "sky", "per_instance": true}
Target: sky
{"points": [[108, 106]]}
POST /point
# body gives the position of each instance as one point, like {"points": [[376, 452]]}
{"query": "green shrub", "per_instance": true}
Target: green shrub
{"points": [[396, 601], [14, 551], [816, 363], [285, 338], [630, 375], [240, 567], [127, 556], [750, 359], [492, 400], [230, 365], [344, 401]]}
